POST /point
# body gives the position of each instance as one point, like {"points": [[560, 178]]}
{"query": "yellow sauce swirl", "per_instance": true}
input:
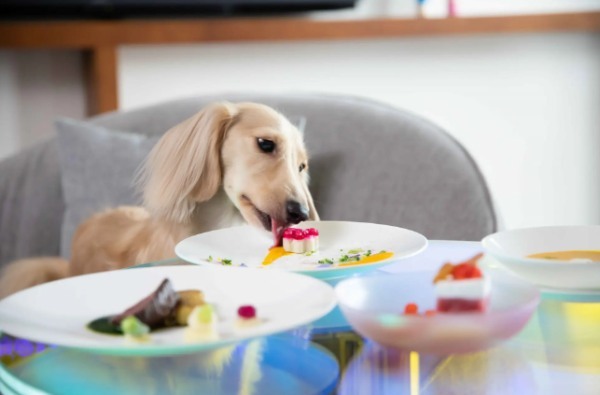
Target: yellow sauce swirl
{"points": [[380, 256], [274, 254], [278, 252], [592, 255]]}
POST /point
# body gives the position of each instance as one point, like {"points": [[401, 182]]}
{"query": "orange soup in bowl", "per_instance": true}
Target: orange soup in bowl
{"points": [[571, 256]]}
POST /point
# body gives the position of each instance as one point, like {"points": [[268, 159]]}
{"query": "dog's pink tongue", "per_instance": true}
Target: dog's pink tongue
{"points": [[277, 230]]}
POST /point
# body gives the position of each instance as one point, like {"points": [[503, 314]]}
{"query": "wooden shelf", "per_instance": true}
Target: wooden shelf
{"points": [[87, 34], [99, 40]]}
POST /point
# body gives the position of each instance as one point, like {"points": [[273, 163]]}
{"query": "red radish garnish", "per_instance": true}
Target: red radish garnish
{"points": [[312, 232], [299, 234], [247, 312]]}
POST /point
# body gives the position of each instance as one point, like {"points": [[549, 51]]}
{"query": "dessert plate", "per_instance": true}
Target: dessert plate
{"points": [[58, 312], [374, 307], [246, 246]]}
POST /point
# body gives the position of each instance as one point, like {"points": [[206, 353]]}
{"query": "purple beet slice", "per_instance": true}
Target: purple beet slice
{"points": [[155, 308]]}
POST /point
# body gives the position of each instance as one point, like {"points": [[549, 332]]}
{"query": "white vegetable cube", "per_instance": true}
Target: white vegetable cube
{"points": [[300, 241], [291, 245], [311, 244]]}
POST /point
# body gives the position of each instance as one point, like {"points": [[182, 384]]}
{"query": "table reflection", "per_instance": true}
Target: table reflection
{"points": [[558, 352], [272, 365]]}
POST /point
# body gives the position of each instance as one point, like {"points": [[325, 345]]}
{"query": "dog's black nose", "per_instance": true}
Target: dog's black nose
{"points": [[296, 212]]}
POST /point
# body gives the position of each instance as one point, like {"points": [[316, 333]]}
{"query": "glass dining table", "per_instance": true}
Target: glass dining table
{"points": [[558, 352]]}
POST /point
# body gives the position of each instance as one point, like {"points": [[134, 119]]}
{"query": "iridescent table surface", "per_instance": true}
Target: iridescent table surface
{"points": [[558, 352]]}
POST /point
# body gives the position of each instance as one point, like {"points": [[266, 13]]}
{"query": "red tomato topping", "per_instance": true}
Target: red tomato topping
{"points": [[476, 273], [465, 271], [411, 308], [461, 271]]}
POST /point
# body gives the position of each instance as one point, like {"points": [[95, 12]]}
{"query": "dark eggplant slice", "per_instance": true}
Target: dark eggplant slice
{"points": [[155, 308]]}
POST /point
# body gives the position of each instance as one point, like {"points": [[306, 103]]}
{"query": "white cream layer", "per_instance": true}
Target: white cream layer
{"points": [[473, 288], [308, 244]]}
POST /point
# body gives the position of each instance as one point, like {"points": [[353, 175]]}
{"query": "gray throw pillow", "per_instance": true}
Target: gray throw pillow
{"points": [[98, 167]]}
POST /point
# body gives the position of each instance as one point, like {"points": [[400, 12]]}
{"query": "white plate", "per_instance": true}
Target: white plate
{"points": [[58, 312], [249, 246], [511, 247]]}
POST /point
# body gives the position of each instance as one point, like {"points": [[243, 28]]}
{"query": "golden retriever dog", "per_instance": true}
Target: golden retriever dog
{"points": [[226, 165]]}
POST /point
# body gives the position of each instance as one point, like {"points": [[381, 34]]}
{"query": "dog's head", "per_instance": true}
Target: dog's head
{"points": [[249, 150]]}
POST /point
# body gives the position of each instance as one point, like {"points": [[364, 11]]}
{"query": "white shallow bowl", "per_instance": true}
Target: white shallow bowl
{"points": [[374, 306], [248, 245], [511, 247], [58, 312]]}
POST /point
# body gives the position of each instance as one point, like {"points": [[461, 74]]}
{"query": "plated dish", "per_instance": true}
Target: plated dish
{"points": [[165, 308], [555, 258], [325, 249], [442, 308], [233, 306]]}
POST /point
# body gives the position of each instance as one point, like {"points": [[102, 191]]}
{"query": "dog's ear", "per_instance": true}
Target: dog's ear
{"points": [[184, 168]]}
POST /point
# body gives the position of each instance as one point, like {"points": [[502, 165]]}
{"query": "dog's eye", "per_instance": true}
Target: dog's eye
{"points": [[302, 167], [266, 145]]}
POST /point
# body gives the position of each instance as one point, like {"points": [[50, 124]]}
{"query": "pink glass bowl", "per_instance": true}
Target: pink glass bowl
{"points": [[374, 306]]}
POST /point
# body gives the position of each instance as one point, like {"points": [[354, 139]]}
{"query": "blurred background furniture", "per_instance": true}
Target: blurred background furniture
{"points": [[100, 40], [369, 162], [498, 77]]}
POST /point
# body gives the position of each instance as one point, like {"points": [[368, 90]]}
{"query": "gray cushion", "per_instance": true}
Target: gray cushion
{"points": [[98, 168]]}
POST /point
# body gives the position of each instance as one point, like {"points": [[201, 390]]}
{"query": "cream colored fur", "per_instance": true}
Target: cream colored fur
{"points": [[206, 173]]}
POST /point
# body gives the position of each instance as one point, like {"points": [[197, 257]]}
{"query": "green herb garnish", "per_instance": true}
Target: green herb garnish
{"points": [[326, 261], [132, 326], [355, 251]]}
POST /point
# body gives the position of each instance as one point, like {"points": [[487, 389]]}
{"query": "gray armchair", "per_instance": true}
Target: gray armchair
{"points": [[369, 162]]}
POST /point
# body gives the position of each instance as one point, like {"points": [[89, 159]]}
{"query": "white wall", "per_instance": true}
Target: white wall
{"points": [[36, 87], [525, 106]]}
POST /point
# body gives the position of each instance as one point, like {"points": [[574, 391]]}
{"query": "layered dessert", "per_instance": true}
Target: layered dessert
{"points": [[461, 287], [301, 241]]}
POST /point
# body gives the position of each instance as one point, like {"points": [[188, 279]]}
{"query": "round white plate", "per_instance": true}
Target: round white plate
{"points": [[511, 248], [249, 246], [58, 312]]}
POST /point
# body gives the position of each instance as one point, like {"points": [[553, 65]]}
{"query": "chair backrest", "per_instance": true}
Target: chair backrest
{"points": [[369, 162]]}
